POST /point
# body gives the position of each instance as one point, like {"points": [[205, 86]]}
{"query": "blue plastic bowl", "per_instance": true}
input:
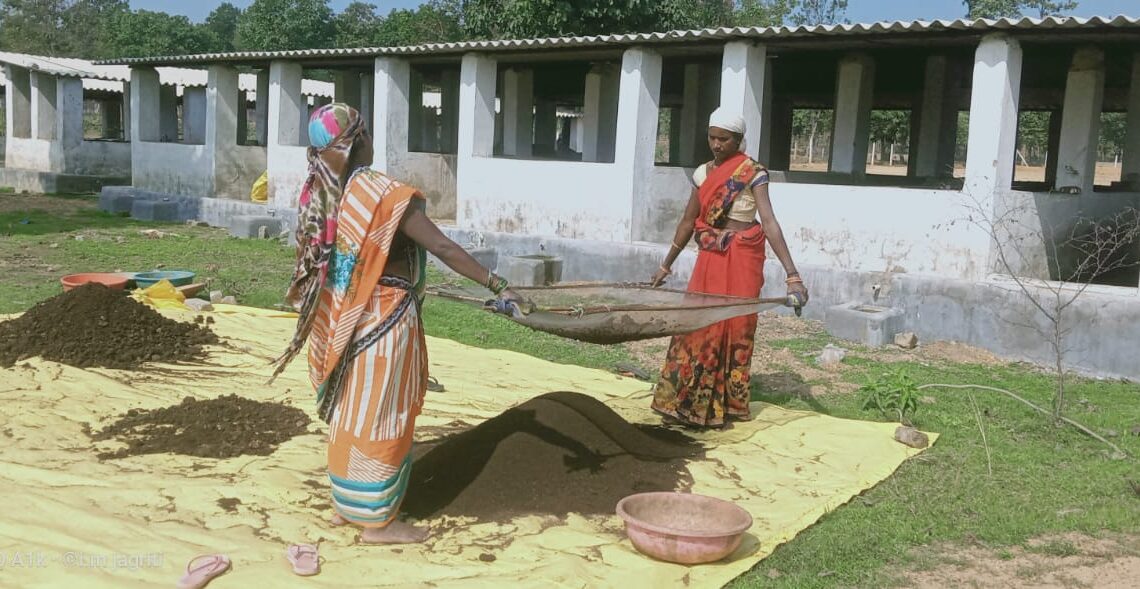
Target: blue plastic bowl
{"points": [[176, 277]]}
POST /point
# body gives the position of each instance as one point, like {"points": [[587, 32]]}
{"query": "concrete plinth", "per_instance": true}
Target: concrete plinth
{"points": [[154, 210], [523, 271], [38, 182], [251, 226], [115, 201], [869, 325]]}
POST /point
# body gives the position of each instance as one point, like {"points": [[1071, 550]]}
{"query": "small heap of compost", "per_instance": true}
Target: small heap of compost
{"points": [[225, 427], [95, 326]]}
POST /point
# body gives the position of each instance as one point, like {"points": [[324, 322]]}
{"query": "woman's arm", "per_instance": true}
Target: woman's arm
{"points": [[775, 237], [420, 229], [680, 237]]}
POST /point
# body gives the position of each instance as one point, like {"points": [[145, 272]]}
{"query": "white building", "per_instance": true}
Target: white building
{"points": [[607, 191], [53, 145]]}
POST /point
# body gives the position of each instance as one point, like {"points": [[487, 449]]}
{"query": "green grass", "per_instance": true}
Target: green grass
{"points": [[1044, 479]]}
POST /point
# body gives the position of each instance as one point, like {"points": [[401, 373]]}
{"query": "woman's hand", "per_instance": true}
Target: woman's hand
{"points": [[659, 277], [798, 288]]}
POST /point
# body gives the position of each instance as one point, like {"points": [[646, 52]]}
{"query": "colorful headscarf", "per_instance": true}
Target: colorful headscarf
{"points": [[333, 130]]}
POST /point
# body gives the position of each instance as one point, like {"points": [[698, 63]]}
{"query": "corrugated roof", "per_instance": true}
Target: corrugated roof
{"points": [[763, 33], [110, 78]]}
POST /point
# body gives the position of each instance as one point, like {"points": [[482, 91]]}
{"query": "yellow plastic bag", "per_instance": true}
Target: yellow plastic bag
{"points": [[161, 295], [260, 192]]}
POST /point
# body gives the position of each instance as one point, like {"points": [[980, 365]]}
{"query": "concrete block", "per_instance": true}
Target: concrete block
{"points": [[870, 325], [523, 271], [154, 210], [251, 226], [487, 256], [115, 202], [551, 268]]}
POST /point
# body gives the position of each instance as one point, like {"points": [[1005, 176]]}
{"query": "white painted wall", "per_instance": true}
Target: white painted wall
{"points": [[288, 168], [875, 229], [434, 175], [567, 199]]}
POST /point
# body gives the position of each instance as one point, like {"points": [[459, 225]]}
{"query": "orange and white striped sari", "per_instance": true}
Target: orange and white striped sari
{"points": [[367, 354]]}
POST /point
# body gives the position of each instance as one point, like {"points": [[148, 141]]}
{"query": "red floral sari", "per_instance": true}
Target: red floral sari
{"points": [[706, 376]]}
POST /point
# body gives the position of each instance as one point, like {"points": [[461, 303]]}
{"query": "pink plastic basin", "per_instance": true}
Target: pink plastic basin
{"points": [[113, 280], [682, 527]]}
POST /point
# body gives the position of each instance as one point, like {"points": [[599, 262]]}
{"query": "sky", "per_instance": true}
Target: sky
{"points": [[857, 10]]}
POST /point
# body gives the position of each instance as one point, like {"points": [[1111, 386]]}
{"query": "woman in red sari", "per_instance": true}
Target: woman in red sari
{"points": [[705, 381]]}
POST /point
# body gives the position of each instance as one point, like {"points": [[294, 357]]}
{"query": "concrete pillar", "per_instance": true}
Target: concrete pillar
{"points": [[393, 76], [854, 93], [222, 107], [599, 120], [242, 114], [1053, 148], [638, 105], [1080, 121], [935, 134], [690, 128], [1130, 170], [145, 101], [168, 113], [261, 108], [780, 153], [18, 102], [450, 101], [368, 99], [417, 125], [68, 116], [518, 112], [194, 116], [126, 111], [993, 116], [744, 73], [476, 109], [285, 103], [43, 106], [347, 88], [708, 99], [545, 125]]}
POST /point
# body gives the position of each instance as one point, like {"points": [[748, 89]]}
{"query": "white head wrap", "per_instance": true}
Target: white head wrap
{"points": [[727, 120]]}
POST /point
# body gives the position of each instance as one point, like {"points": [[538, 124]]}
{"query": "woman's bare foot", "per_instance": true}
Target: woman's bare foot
{"points": [[337, 520], [397, 532]]}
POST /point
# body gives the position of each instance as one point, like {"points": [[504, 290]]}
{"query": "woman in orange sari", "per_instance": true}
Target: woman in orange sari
{"points": [[705, 380], [358, 289]]}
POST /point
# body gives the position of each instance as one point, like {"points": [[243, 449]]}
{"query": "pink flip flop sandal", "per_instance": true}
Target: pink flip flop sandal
{"points": [[208, 567], [304, 558]]}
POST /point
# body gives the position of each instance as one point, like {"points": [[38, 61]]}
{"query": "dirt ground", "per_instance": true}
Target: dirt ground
{"points": [[1069, 560], [35, 202]]}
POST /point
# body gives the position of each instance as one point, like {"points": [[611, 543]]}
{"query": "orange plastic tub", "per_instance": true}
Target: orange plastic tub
{"points": [[110, 279]]}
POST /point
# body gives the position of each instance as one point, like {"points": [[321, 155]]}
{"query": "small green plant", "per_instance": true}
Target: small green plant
{"points": [[892, 393]]}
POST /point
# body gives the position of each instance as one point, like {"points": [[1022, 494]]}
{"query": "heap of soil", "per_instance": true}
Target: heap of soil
{"points": [[96, 326], [553, 455], [218, 428]]}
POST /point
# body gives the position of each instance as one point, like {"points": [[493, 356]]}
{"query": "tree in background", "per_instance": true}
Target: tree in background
{"points": [[278, 25], [222, 25], [818, 12], [144, 33], [1016, 8], [437, 21], [357, 25], [68, 28]]}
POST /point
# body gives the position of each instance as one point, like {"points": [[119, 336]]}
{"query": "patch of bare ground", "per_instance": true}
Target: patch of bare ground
{"points": [[1060, 561]]}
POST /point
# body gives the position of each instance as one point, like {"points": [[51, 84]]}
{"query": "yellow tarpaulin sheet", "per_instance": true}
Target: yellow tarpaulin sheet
{"points": [[70, 520]]}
